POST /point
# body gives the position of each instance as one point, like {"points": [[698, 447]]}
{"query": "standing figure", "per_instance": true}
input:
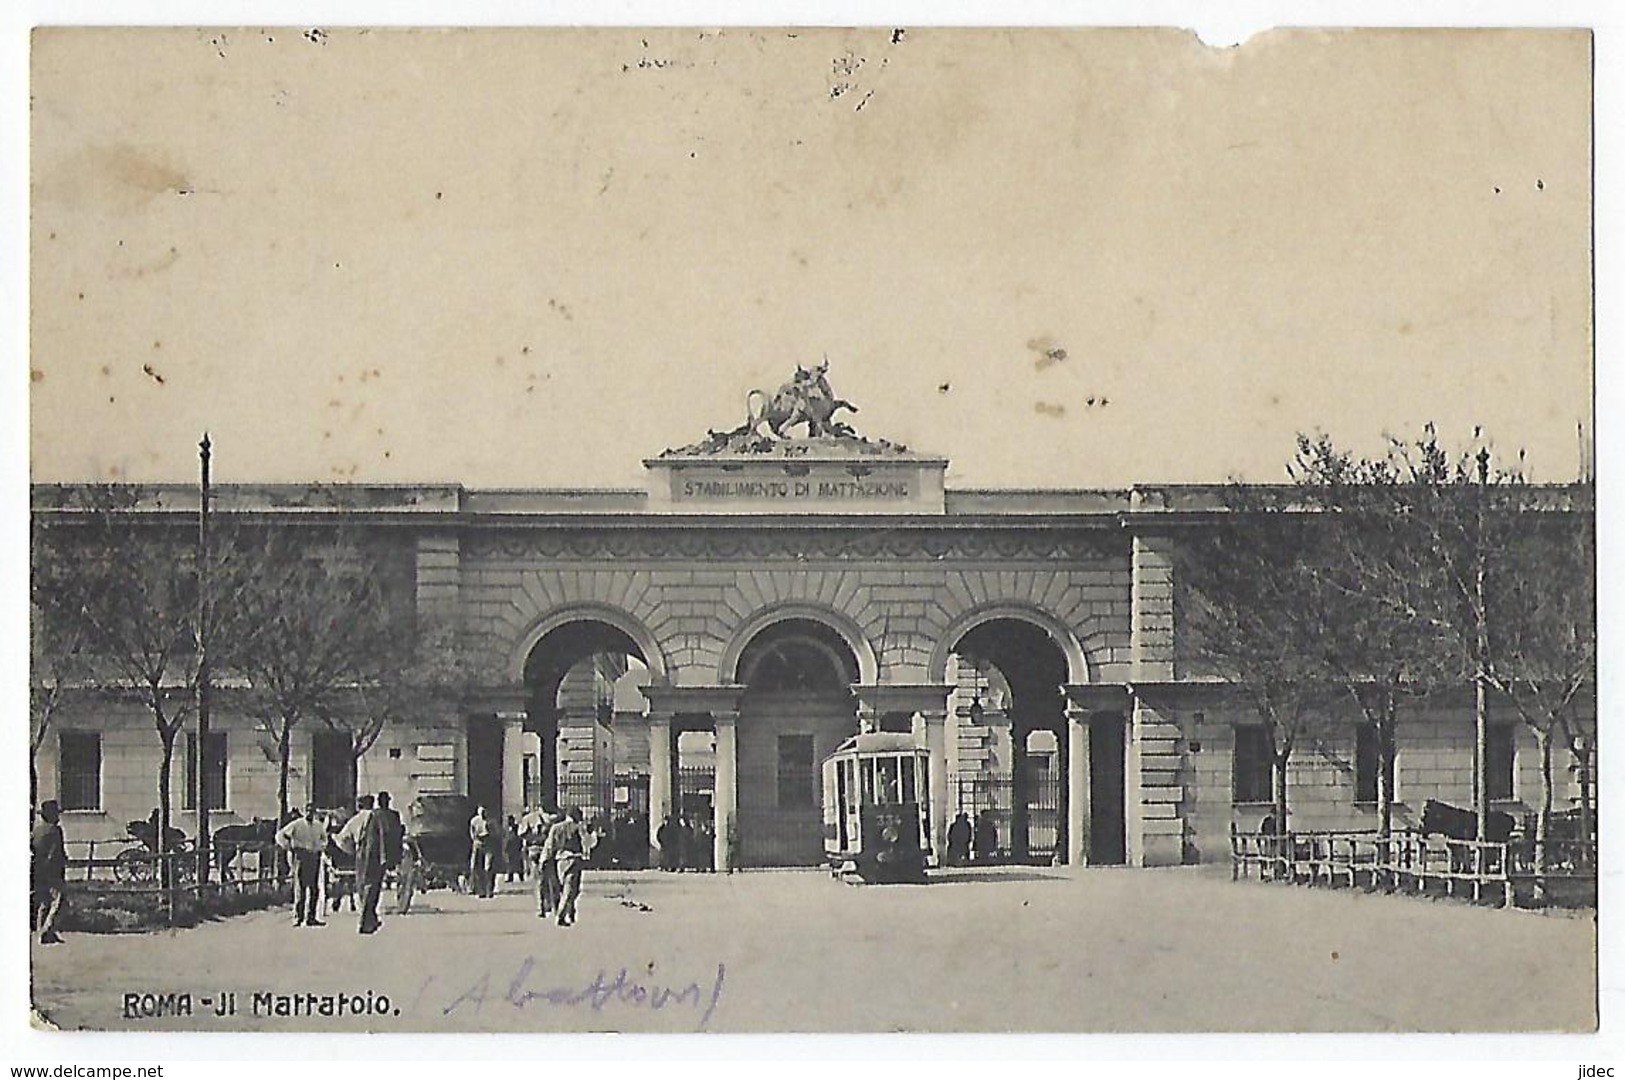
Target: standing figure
{"points": [[513, 851], [959, 834], [534, 827], [568, 846], [986, 838], [341, 855], [685, 845], [666, 839], [409, 873], [481, 854], [378, 849], [304, 839], [47, 872]]}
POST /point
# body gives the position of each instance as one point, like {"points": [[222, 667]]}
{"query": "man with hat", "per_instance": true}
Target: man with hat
{"points": [[48, 872]]}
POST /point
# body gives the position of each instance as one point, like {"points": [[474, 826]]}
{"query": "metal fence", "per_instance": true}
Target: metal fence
{"points": [[991, 796]]}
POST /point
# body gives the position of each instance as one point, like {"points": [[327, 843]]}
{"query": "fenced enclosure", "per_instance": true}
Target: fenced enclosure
{"points": [[124, 884], [1520, 872]]}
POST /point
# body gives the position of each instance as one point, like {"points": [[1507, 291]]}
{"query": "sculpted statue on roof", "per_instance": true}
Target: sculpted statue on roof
{"points": [[805, 402]]}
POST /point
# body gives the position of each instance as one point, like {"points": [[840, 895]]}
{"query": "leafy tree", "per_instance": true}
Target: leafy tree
{"points": [[1253, 614], [1541, 605], [125, 589], [319, 620], [58, 636], [1375, 572]]}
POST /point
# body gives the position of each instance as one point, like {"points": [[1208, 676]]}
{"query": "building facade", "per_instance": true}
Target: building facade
{"points": [[701, 644]]}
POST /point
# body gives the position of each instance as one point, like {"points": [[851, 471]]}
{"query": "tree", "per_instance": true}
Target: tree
{"points": [[57, 637], [405, 673], [1452, 569], [122, 592], [1374, 572], [1252, 613], [319, 623], [1543, 642]]}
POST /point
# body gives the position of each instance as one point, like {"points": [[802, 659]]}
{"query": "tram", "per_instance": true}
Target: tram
{"points": [[876, 808]]}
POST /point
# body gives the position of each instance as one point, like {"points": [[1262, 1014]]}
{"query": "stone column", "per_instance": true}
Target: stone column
{"points": [[660, 786], [936, 744], [1077, 786], [726, 791], [513, 763]]}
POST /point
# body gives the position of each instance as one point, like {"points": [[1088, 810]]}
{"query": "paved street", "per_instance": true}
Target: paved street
{"points": [[1008, 949]]}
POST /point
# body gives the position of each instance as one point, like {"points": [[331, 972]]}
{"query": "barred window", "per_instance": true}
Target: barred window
{"points": [[214, 771], [1251, 777], [79, 777], [1367, 758], [332, 785], [795, 771], [1500, 760]]}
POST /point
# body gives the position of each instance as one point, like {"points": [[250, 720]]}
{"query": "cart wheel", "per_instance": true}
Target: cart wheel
{"points": [[135, 866]]}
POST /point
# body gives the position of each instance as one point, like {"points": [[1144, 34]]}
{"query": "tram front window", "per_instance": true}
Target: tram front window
{"points": [[888, 781], [907, 770], [866, 769]]}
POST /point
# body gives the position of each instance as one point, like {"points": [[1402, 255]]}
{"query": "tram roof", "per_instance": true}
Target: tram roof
{"points": [[879, 742]]}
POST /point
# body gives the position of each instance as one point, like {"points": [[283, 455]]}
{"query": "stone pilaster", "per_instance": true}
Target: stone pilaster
{"points": [[1151, 632]]}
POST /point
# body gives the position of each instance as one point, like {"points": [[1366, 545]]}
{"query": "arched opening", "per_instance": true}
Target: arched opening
{"points": [[584, 681], [796, 708], [1009, 758]]}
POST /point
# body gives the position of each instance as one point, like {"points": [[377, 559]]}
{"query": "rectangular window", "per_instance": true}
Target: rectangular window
{"points": [[1500, 759], [795, 771], [214, 772], [1366, 760], [1251, 775], [332, 784], [79, 777]]}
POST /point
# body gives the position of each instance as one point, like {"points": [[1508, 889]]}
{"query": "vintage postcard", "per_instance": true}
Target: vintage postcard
{"points": [[774, 530]]}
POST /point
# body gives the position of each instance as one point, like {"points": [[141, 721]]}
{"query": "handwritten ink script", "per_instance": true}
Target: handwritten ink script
{"points": [[622, 991]]}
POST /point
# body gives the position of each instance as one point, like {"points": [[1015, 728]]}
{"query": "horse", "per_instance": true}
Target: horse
{"points": [[230, 840], [1439, 818]]}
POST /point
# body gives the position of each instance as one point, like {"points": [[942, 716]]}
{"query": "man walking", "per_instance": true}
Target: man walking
{"points": [[343, 856], [378, 849], [567, 846], [48, 872], [304, 839]]}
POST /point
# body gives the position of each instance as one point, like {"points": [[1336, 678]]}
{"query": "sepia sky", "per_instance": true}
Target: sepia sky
{"points": [[533, 258]]}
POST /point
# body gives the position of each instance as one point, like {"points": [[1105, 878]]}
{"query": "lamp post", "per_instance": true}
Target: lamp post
{"points": [[200, 768], [1481, 787]]}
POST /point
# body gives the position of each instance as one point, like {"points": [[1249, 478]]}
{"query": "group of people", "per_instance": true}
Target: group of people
{"points": [[686, 843], [978, 843], [373, 841]]}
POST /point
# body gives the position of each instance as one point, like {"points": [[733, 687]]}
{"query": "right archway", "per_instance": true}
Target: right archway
{"points": [[1021, 754]]}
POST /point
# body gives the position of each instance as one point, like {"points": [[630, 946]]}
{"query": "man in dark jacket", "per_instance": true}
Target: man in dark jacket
{"points": [[379, 849], [48, 872]]}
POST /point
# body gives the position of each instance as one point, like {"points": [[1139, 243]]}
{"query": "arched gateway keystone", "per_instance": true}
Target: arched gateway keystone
{"points": [[771, 587]]}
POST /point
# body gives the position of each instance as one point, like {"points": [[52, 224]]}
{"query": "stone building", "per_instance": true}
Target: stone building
{"points": [[704, 642]]}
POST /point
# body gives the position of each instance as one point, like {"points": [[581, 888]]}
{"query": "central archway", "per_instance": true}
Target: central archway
{"points": [[797, 706]]}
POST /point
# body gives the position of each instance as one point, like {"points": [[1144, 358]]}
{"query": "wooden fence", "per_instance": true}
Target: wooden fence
{"points": [[106, 868], [1506, 873]]}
